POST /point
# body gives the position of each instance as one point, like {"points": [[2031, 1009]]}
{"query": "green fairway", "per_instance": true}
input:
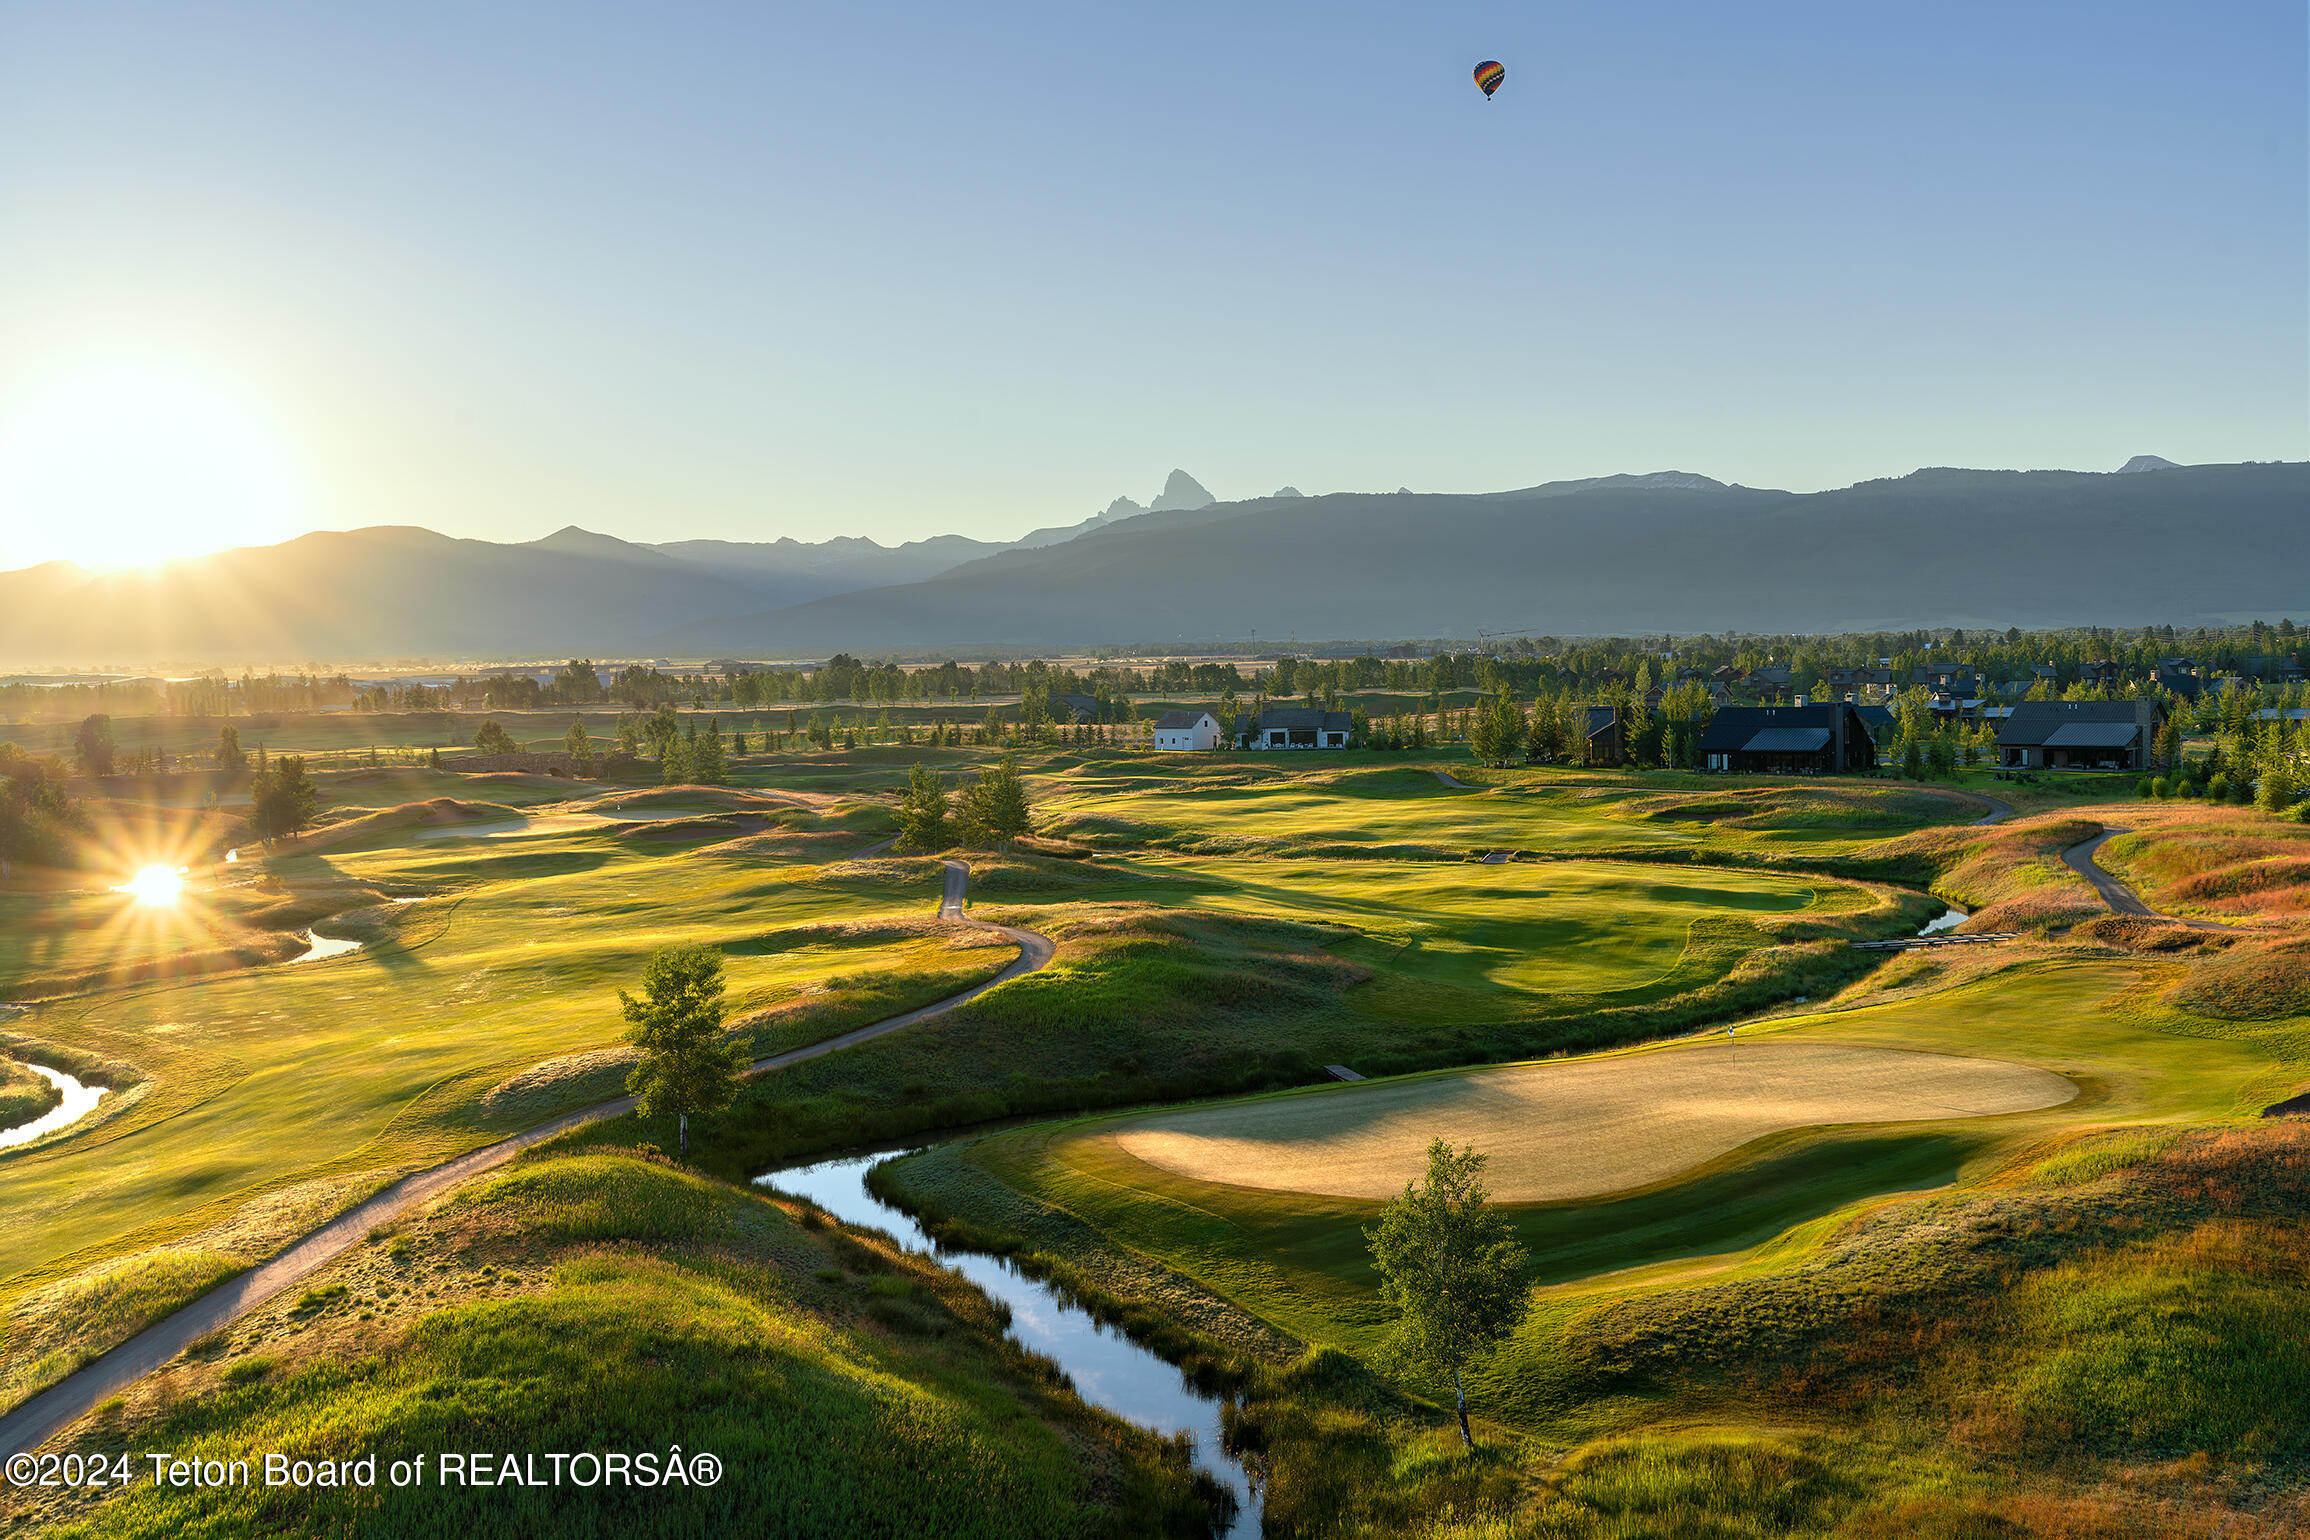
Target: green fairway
{"points": [[1299, 1261], [1279, 804], [269, 1080], [1462, 939]]}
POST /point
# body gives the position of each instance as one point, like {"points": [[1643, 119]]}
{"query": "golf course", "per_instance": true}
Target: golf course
{"points": [[1272, 982]]}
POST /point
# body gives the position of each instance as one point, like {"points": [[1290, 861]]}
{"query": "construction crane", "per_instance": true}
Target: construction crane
{"points": [[1483, 638]]}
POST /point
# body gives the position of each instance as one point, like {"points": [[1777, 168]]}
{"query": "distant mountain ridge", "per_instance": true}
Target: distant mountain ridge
{"points": [[1666, 551]]}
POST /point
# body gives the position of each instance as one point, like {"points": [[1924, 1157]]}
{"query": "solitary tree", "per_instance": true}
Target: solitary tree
{"points": [[994, 808], [1448, 1262], [230, 754], [92, 747], [580, 745], [281, 799], [493, 739], [677, 1024], [922, 811], [709, 762]]}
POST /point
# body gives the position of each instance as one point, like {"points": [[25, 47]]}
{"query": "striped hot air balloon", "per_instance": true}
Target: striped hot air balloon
{"points": [[1489, 74]]}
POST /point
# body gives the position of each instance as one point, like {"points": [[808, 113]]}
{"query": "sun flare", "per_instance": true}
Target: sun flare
{"points": [[120, 467], [154, 884]]}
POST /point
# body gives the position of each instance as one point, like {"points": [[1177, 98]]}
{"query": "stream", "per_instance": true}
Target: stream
{"points": [[79, 1101], [1108, 1368], [1950, 921]]}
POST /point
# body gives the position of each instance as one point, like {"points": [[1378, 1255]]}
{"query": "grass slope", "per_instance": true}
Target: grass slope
{"points": [[614, 1302]]}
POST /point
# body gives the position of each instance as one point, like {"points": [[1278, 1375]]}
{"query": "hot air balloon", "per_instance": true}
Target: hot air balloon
{"points": [[1489, 74]]}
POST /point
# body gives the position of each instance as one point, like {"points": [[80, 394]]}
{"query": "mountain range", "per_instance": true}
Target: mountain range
{"points": [[1669, 551]]}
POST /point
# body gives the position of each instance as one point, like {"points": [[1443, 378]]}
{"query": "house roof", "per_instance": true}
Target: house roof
{"points": [[1087, 705], [1730, 730], [1787, 740], [2093, 735], [1875, 716], [1599, 718], [1176, 719], [1301, 716], [2034, 722]]}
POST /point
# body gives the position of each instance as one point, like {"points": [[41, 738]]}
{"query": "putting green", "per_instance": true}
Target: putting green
{"points": [[1577, 1129]]}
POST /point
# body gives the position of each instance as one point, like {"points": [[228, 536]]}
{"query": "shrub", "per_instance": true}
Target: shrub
{"points": [[2218, 789], [2161, 788]]}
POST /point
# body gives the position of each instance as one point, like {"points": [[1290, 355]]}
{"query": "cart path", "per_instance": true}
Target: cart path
{"points": [[2114, 892], [1999, 808], [67, 1401]]}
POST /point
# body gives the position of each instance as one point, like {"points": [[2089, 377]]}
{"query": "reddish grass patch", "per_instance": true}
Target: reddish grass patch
{"points": [[2251, 982]]}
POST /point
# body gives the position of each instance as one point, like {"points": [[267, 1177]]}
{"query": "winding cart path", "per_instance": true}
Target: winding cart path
{"points": [[37, 1420]]}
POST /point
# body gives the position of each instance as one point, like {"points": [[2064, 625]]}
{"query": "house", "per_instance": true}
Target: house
{"points": [[2103, 673], [2179, 676], [1858, 684], [2080, 735], [1770, 683], [1075, 708], [1602, 740], [1880, 722], [1299, 727], [1827, 738], [1198, 730]]}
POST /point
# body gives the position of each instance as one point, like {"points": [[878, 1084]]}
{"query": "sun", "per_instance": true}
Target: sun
{"points": [[122, 466], [154, 884]]}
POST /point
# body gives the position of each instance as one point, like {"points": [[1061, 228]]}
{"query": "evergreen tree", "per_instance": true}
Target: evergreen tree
{"points": [[994, 807], [230, 755], [580, 747], [493, 739], [709, 764], [922, 812], [281, 799], [674, 762], [685, 1066]]}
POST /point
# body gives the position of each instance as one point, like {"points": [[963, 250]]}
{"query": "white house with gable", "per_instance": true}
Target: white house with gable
{"points": [[1187, 730]]}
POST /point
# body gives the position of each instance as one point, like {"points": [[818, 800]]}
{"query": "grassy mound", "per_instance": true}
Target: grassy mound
{"points": [[24, 1095], [613, 1302], [2227, 862], [2250, 982]]}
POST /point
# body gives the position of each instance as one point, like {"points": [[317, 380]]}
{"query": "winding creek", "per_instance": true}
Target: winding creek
{"points": [[1108, 1369], [1950, 921], [79, 1101]]}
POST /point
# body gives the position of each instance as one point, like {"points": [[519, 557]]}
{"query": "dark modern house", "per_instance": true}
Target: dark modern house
{"points": [[1602, 741], [1299, 727], [1825, 739], [2080, 735]]}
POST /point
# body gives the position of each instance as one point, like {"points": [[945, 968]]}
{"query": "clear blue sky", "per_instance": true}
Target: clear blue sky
{"points": [[897, 269]]}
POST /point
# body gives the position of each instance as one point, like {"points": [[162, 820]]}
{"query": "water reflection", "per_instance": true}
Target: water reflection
{"points": [[1107, 1367]]}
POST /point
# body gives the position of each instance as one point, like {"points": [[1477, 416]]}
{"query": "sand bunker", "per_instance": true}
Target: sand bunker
{"points": [[1577, 1129]]}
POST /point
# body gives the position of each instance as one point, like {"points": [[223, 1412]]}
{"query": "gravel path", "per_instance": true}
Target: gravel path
{"points": [[37, 1420], [2122, 899]]}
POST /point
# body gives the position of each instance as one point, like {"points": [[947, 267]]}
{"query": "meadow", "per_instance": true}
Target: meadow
{"points": [[616, 1302], [265, 1097], [1226, 928]]}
